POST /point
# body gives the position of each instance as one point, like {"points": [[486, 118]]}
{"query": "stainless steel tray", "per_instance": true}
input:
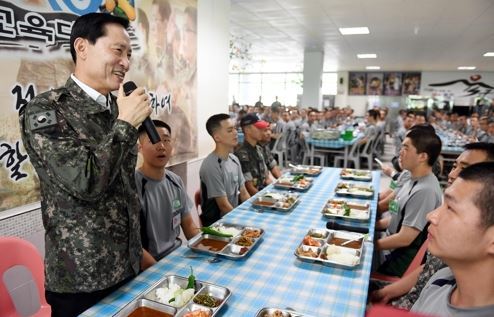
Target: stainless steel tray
{"points": [[149, 298], [355, 190], [355, 174], [358, 211], [269, 311], [346, 257], [264, 202], [231, 249], [280, 183], [309, 170]]}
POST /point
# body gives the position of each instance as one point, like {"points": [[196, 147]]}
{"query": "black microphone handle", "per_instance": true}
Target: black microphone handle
{"points": [[336, 226], [151, 131], [148, 124]]}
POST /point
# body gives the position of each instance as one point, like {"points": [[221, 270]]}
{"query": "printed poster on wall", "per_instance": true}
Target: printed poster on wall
{"points": [[356, 84], [392, 84], [374, 84], [411, 83], [35, 57]]}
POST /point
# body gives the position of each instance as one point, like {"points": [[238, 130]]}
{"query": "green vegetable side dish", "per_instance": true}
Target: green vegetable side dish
{"points": [[297, 178], [190, 283], [347, 210], [211, 231], [206, 300]]}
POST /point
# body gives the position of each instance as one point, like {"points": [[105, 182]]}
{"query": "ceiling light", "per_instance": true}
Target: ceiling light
{"points": [[489, 54], [466, 67], [352, 31], [373, 67], [366, 55]]}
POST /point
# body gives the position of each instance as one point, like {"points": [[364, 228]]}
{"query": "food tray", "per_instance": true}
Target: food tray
{"points": [[309, 170], [355, 190], [288, 183], [277, 201], [149, 298], [346, 257], [358, 210], [354, 174], [270, 312], [227, 247]]}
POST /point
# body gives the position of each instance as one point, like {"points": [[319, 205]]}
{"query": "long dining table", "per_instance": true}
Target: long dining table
{"points": [[271, 276]]}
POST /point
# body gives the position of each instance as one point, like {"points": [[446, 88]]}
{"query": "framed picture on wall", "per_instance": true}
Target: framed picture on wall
{"points": [[392, 84], [411, 83], [356, 83], [375, 83]]}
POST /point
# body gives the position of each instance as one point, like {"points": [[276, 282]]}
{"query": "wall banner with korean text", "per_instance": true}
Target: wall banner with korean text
{"points": [[35, 57]]}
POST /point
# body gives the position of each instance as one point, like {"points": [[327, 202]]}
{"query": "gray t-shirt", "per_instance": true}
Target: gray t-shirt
{"points": [[416, 199], [219, 178], [435, 298], [165, 203]]}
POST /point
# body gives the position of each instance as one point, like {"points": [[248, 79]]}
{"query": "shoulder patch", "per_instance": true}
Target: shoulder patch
{"points": [[42, 119]]}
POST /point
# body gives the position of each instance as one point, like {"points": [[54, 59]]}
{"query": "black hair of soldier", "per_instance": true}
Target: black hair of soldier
{"points": [[158, 124]]}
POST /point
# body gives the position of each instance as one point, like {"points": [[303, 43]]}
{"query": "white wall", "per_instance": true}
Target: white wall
{"points": [[212, 63]]}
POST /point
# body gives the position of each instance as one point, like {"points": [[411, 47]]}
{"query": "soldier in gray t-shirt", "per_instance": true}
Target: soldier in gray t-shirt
{"points": [[222, 181], [165, 205]]}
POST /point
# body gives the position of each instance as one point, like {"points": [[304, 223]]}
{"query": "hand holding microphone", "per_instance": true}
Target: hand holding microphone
{"points": [[133, 106]]}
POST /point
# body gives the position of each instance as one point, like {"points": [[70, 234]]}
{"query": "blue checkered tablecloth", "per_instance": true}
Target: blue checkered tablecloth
{"points": [[271, 276], [332, 144]]}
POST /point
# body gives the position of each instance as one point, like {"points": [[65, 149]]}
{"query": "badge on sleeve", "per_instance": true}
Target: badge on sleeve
{"points": [[42, 119], [394, 206], [177, 204]]}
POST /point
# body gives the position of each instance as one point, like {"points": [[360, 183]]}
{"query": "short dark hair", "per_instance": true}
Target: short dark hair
{"points": [[158, 124], [164, 8], [488, 148], [91, 27], [423, 126], [482, 173], [373, 113], [427, 142], [214, 122], [422, 114]]}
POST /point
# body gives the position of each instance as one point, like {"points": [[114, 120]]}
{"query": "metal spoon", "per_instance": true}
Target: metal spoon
{"points": [[355, 239], [210, 259]]}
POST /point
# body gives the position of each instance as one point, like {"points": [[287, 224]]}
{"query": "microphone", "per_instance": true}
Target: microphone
{"points": [[336, 226], [148, 124]]}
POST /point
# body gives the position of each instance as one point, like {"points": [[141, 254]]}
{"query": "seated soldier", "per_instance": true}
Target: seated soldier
{"points": [[419, 195], [411, 285], [266, 152], [461, 233], [250, 155], [164, 201], [222, 181]]}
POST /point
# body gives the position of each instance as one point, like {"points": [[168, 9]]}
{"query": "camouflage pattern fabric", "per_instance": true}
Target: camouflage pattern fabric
{"points": [[268, 156], [85, 159], [253, 165], [431, 266]]}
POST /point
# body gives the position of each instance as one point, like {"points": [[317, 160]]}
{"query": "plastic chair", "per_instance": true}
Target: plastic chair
{"points": [[14, 252], [279, 149], [321, 156], [353, 155], [416, 262], [389, 311]]}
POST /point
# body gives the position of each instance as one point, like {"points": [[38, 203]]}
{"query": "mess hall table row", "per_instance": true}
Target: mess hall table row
{"points": [[332, 144], [272, 276]]}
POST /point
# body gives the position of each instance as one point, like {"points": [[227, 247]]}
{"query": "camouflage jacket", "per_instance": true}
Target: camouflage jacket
{"points": [[431, 266], [85, 159], [268, 156], [253, 164]]}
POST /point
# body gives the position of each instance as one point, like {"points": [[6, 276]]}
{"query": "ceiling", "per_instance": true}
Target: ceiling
{"points": [[423, 35]]}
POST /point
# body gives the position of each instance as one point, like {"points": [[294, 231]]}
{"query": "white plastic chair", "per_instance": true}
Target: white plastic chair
{"points": [[279, 149], [353, 155], [321, 156]]}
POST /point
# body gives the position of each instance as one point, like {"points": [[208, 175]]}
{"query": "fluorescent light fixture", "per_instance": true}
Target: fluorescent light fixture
{"points": [[352, 31], [373, 67], [489, 54], [367, 55], [466, 67]]}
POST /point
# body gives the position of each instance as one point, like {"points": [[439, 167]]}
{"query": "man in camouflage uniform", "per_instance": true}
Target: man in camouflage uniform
{"points": [[250, 154], [266, 153], [82, 143]]}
